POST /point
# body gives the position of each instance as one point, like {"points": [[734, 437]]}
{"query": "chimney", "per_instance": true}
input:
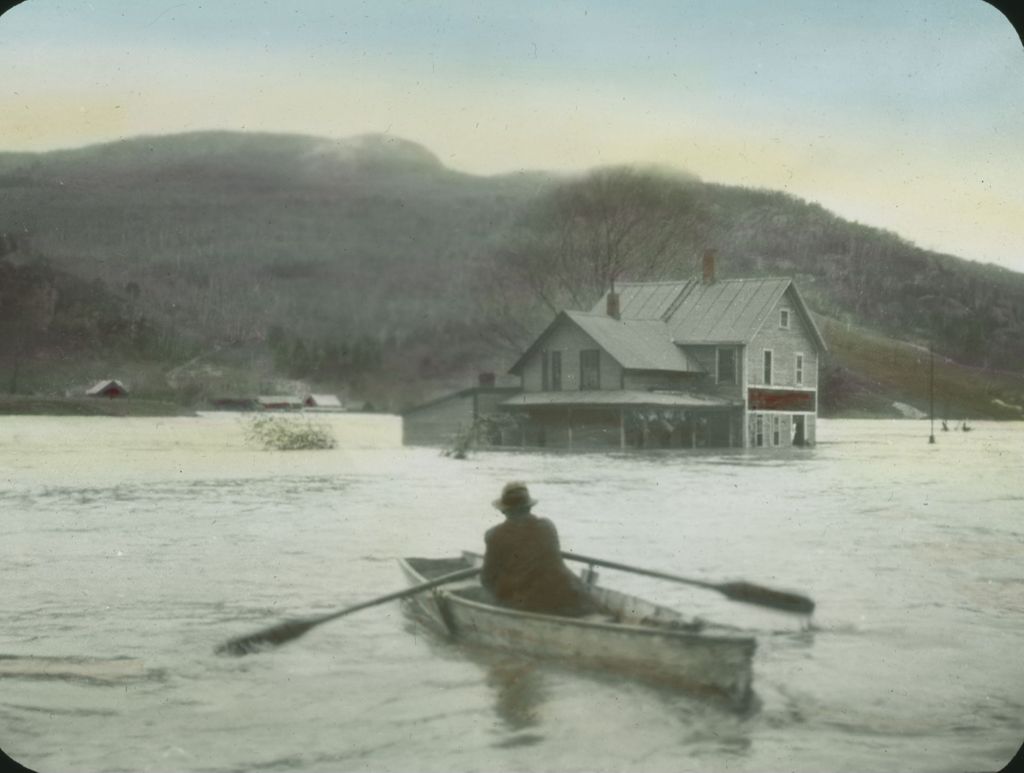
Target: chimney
{"points": [[613, 304], [486, 380], [709, 266]]}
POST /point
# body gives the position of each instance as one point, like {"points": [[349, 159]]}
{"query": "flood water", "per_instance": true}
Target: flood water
{"points": [[132, 547]]}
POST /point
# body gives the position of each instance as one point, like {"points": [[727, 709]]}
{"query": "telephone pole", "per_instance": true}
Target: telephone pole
{"points": [[931, 391]]}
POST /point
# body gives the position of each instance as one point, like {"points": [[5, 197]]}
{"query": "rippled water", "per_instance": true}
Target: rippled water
{"points": [[132, 547]]}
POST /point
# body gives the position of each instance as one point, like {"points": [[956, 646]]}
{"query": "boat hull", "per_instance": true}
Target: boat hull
{"points": [[635, 638]]}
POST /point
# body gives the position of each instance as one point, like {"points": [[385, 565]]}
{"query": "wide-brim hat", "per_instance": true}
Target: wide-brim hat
{"points": [[514, 496]]}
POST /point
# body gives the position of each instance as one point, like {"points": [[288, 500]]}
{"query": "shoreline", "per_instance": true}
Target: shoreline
{"points": [[26, 405]]}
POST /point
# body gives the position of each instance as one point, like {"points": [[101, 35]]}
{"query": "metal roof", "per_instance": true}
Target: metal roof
{"points": [[720, 312], [730, 310], [644, 300], [612, 397], [635, 344]]}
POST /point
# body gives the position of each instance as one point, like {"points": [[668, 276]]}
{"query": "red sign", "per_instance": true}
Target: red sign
{"points": [[781, 400]]}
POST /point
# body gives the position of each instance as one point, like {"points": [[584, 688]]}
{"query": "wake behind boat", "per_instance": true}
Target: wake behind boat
{"points": [[630, 636]]}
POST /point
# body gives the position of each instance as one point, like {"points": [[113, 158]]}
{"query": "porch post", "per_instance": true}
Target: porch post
{"points": [[569, 420], [622, 429]]}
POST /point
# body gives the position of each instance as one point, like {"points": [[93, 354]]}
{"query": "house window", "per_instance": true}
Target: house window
{"points": [[784, 318], [767, 366], [726, 366], [776, 430], [556, 371], [545, 374], [590, 369], [799, 368]]}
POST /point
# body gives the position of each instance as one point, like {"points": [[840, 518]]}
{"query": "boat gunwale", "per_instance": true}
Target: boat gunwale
{"points": [[632, 629]]}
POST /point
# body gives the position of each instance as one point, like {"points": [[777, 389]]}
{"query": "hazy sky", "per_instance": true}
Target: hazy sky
{"points": [[903, 114]]}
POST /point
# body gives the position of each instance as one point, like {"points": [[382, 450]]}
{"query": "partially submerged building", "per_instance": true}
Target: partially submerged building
{"points": [[701, 363], [443, 420]]}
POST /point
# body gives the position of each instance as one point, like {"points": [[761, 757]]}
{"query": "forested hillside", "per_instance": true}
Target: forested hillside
{"points": [[366, 266]]}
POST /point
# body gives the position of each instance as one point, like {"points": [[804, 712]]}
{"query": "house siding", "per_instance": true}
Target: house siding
{"points": [[707, 358], [439, 422], [784, 344], [570, 341]]}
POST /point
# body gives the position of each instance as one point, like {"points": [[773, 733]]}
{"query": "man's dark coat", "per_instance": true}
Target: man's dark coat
{"points": [[524, 570]]}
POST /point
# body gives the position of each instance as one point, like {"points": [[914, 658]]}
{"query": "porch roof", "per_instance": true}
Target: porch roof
{"points": [[613, 397]]}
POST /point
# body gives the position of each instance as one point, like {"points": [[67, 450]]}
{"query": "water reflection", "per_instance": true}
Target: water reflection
{"points": [[517, 682], [519, 690]]}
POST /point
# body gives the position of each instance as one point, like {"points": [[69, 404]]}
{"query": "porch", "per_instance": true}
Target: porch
{"points": [[623, 420]]}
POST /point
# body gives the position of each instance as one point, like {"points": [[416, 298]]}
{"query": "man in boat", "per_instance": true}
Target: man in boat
{"points": [[523, 566]]}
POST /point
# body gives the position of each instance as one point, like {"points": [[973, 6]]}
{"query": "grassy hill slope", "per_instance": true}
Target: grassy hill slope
{"points": [[866, 372]]}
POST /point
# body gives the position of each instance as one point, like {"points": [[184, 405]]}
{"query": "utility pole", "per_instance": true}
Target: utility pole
{"points": [[931, 391]]}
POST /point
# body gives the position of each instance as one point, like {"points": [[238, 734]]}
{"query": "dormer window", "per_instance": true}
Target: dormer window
{"points": [[784, 319]]}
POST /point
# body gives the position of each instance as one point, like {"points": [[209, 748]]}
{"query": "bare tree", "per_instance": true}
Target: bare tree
{"points": [[575, 241]]}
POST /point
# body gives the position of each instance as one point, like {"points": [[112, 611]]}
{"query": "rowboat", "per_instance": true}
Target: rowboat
{"points": [[630, 636]]}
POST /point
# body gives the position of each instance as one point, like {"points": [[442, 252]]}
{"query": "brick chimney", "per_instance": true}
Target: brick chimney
{"points": [[613, 304], [485, 380], [709, 266]]}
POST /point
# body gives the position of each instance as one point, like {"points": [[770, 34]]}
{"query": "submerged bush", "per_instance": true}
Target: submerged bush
{"points": [[485, 431], [280, 433]]}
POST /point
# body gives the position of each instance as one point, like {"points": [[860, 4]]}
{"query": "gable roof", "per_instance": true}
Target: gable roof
{"points": [[102, 386], [726, 311], [643, 344], [636, 344]]}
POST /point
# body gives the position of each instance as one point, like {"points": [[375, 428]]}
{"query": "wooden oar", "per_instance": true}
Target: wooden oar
{"points": [[293, 629], [737, 591]]}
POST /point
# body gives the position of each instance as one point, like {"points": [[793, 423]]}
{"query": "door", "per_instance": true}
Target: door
{"points": [[798, 431]]}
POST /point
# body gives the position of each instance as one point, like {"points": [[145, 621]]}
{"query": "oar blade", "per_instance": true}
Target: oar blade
{"points": [[767, 597], [269, 637]]}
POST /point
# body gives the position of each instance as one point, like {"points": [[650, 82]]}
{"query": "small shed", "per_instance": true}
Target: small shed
{"points": [[110, 387], [440, 421], [322, 403], [279, 403]]}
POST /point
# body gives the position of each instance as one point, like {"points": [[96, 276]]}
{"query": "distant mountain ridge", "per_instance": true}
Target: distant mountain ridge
{"points": [[310, 251]]}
